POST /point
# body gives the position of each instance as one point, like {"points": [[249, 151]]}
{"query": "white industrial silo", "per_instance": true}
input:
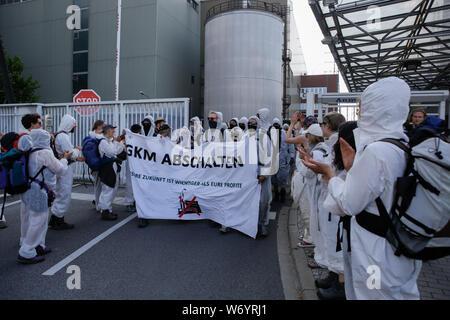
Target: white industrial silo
{"points": [[243, 63]]}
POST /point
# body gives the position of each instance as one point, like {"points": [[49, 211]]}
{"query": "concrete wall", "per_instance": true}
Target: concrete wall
{"points": [[178, 51], [160, 47], [36, 31]]}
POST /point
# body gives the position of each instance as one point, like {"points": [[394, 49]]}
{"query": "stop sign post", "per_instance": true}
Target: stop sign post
{"points": [[86, 96]]}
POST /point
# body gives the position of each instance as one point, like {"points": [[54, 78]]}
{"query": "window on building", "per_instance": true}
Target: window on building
{"points": [[81, 49]]}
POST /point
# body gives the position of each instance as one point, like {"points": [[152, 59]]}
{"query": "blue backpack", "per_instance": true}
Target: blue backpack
{"points": [[14, 177], [92, 155]]}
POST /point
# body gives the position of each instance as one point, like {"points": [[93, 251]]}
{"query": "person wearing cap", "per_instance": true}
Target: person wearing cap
{"points": [[316, 191], [158, 124], [110, 148]]}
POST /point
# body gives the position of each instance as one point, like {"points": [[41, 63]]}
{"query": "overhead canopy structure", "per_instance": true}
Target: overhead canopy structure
{"points": [[372, 39]]}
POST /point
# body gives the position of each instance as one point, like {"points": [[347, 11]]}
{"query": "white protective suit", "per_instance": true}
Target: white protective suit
{"points": [[129, 197], [346, 266], [287, 152], [214, 135], [25, 143], [376, 167], [64, 183], [152, 128], [97, 184], [335, 259], [110, 149], [266, 185], [316, 190], [35, 199]]}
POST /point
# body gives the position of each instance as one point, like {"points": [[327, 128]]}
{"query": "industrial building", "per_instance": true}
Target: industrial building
{"points": [[250, 51], [160, 47]]}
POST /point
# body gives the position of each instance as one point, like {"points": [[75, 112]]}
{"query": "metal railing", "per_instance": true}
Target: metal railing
{"points": [[122, 114], [230, 5]]}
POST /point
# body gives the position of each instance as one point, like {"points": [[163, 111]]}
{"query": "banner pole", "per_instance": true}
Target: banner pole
{"points": [[119, 21]]}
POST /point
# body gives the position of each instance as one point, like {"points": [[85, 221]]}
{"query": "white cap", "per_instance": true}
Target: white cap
{"points": [[315, 130]]}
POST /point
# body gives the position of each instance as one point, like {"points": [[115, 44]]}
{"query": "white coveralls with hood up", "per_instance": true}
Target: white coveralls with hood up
{"points": [[266, 186], [64, 183], [129, 197], [35, 199], [335, 259], [376, 167], [109, 148], [316, 191], [25, 143], [287, 152], [244, 121]]}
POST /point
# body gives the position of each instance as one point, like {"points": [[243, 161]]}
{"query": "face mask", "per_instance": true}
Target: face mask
{"points": [[73, 130], [232, 126], [242, 126], [252, 126], [147, 126], [277, 127], [212, 124]]}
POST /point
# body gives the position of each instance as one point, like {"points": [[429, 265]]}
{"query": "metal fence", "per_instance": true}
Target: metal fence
{"points": [[122, 114]]}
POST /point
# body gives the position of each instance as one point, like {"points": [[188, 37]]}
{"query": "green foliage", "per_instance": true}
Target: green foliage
{"points": [[24, 89]]}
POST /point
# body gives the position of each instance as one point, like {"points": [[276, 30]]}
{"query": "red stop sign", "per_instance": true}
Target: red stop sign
{"points": [[86, 96]]}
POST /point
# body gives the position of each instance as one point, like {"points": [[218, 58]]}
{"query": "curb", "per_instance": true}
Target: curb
{"points": [[306, 288]]}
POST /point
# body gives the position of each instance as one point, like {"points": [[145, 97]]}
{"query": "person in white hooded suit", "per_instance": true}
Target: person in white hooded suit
{"points": [[377, 273], [64, 183], [46, 168]]}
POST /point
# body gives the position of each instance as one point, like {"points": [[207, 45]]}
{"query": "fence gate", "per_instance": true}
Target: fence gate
{"points": [[122, 114]]}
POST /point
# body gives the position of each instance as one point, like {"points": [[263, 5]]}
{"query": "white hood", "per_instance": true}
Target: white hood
{"points": [[219, 118], [384, 109], [152, 129], [41, 139], [258, 121], [276, 121], [244, 120], [67, 123], [264, 117]]}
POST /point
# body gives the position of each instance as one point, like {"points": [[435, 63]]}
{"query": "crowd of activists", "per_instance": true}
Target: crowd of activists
{"points": [[331, 170]]}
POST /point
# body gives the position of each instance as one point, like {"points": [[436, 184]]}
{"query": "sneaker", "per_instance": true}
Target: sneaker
{"points": [[108, 215], [59, 223], [3, 225], [34, 260], [328, 281], [224, 229], [131, 209], [41, 251], [304, 244], [143, 223], [335, 292]]}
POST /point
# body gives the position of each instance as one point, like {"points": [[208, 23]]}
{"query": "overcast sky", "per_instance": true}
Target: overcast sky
{"points": [[317, 56]]}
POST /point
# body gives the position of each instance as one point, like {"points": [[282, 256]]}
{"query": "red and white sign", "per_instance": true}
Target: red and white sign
{"points": [[86, 96]]}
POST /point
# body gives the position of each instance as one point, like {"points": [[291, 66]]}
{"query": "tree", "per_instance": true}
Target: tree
{"points": [[24, 89]]}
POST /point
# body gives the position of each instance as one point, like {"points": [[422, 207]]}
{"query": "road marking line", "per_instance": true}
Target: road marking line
{"points": [[53, 270], [13, 203]]}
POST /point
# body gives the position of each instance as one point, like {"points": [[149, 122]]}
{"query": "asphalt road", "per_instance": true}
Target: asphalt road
{"points": [[168, 260]]}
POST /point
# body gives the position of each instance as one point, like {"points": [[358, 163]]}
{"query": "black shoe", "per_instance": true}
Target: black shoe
{"points": [[326, 282], [143, 223], [108, 215], [3, 225], [335, 292], [59, 223], [224, 229], [41, 251], [34, 260]]}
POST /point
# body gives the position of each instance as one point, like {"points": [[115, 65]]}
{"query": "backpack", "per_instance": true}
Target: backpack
{"points": [[53, 145], [10, 141], [418, 224], [14, 177], [92, 155]]}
